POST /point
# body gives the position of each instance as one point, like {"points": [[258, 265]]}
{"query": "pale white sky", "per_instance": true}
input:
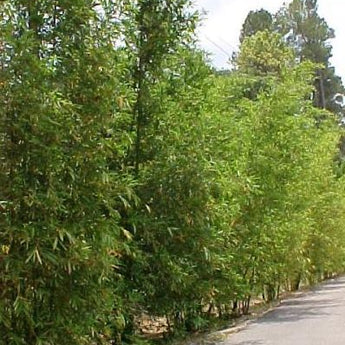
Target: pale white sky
{"points": [[222, 24]]}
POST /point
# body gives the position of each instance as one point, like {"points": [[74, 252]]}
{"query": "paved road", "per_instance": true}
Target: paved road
{"points": [[315, 318]]}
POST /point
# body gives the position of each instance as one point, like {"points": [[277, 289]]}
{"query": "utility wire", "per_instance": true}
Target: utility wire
{"points": [[228, 44], [219, 47]]}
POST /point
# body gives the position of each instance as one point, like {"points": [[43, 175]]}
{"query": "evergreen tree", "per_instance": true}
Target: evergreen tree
{"points": [[256, 21], [309, 35]]}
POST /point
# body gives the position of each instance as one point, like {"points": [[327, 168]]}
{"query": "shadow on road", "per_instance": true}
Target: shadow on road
{"points": [[309, 318], [332, 287], [310, 306]]}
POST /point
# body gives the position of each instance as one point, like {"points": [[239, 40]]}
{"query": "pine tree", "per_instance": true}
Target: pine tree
{"points": [[309, 35], [256, 21]]}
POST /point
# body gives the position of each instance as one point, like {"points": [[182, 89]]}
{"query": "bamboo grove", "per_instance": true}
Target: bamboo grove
{"points": [[136, 179]]}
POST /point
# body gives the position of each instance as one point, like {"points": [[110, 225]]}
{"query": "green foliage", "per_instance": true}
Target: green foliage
{"points": [[59, 214], [171, 225], [271, 161], [256, 21], [264, 53], [309, 35], [306, 30], [134, 180]]}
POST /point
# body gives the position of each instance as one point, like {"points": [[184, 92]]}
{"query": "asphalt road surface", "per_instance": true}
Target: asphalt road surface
{"points": [[314, 318]]}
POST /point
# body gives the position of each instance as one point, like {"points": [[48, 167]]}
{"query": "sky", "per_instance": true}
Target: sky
{"points": [[222, 22]]}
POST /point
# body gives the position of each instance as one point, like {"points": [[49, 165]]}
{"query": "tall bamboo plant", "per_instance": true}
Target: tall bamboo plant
{"points": [[59, 219]]}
